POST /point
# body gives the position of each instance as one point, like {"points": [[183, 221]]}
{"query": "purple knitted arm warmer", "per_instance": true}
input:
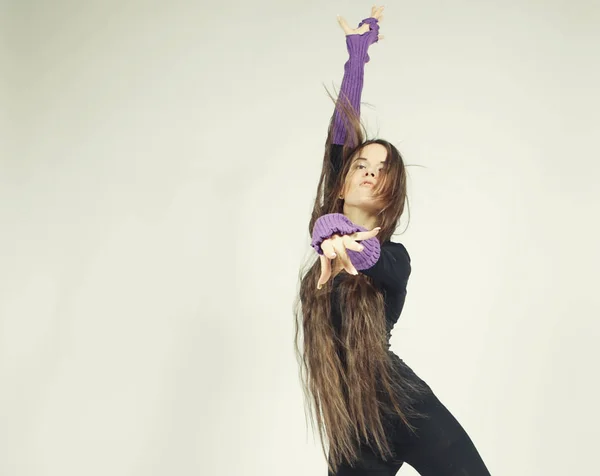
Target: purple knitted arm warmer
{"points": [[354, 72], [337, 223]]}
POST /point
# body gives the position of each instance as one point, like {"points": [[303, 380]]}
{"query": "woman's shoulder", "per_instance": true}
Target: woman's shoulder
{"points": [[396, 247]]}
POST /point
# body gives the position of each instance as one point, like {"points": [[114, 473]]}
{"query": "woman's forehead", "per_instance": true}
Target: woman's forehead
{"points": [[375, 153]]}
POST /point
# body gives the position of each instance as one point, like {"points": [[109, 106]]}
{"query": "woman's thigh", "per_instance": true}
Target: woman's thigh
{"points": [[441, 446]]}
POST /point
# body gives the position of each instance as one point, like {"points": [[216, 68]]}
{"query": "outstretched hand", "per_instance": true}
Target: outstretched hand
{"points": [[376, 13], [334, 248]]}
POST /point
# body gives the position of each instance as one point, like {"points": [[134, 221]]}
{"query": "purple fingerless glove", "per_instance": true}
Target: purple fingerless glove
{"points": [[359, 44], [340, 224], [352, 82]]}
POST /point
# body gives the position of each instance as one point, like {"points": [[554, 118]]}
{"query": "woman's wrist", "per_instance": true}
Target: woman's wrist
{"points": [[367, 258], [358, 48], [330, 224], [337, 223], [358, 44]]}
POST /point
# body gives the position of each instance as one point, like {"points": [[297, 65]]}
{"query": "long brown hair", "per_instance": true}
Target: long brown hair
{"points": [[348, 378]]}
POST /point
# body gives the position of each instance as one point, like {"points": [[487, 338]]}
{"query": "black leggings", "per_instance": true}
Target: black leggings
{"points": [[440, 447]]}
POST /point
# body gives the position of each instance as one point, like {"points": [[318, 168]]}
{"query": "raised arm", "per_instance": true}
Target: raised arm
{"points": [[355, 256], [357, 43]]}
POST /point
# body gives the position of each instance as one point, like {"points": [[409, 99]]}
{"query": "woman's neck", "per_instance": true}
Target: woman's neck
{"points": [[360, 217]]}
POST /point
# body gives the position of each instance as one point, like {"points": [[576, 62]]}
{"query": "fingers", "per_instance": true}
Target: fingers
{"points": [[363, 29], [347, 264], [344, 25], [350, 244], [377, 12], [335, 247], [340, 250], [325, 271], [365, 235], [328, 250]]}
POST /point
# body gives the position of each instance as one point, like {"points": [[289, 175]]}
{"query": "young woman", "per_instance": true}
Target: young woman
{"points": [[373, 411]]}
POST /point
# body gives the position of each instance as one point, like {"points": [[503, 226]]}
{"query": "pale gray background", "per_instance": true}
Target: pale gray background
{"points": [[159, 161]]}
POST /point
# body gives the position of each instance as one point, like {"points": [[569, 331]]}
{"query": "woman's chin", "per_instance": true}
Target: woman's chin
{"points": [[369, 206]]}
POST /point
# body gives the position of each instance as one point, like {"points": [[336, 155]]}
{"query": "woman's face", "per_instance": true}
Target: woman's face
{"points": [[366, 169]]}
